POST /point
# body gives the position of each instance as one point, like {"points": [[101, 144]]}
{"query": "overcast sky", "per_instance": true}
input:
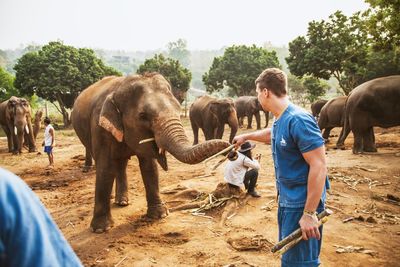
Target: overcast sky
{"points": [[144, 25]]}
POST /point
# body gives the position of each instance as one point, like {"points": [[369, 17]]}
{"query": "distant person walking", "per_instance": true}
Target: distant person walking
{"points": [[49, 139]]}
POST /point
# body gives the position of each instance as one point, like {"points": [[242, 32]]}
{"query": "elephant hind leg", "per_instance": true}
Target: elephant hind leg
{"points": [[195, 129], [88, 161], [369, 141], [121, 185], [358, 142]]}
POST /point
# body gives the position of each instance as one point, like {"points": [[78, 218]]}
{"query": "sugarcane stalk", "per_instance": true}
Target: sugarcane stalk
{"points": [[297, 233], [296, 241]]}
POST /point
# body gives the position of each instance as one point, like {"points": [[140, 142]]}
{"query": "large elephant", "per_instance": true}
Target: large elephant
{"points": [[331, 115], [373, 103], [112, 117], [317, 106], [210, 115], [15, 119], [247, 106]]}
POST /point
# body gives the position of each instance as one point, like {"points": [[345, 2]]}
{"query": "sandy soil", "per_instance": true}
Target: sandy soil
{"points": [[364, 187]]}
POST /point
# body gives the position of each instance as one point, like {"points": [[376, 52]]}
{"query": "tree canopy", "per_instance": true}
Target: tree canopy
{"points": [[341, 47], [238, 68], [384, 23], [178, 76], [58, 72], [7, 88]]}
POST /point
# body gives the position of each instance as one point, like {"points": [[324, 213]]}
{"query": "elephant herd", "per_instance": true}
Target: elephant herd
{"points": [[373, 103], [119, 117]]}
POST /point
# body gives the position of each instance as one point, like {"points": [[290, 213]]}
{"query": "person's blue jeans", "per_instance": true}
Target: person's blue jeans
{"points": [[305, 253], [28, 234]]}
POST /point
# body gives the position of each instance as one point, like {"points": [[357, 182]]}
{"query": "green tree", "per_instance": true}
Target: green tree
{"points": [[384, 23], [7, 88], [238, 68], [314, 88], [178, 50], [178, 76], [58, 72], [337, 47], [341, 47]]}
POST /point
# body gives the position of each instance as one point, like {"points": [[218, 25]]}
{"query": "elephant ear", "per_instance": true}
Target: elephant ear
{"points": [[214, 106], [110, 118]]}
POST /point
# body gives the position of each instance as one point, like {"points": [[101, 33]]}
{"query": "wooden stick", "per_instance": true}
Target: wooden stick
{"points": [[219, 153], [297, 233]]}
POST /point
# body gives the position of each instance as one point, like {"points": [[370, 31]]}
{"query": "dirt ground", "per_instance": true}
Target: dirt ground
{"points": [[365, 193]]}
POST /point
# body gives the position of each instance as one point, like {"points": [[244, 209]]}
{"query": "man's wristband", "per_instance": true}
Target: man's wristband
{"points": [[310, 213]]}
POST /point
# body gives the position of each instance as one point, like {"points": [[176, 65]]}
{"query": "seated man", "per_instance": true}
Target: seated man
{"points": [[243, 169], [28, 234]]}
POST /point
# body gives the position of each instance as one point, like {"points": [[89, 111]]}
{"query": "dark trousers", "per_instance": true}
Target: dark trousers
{"points": [[250, 180]]}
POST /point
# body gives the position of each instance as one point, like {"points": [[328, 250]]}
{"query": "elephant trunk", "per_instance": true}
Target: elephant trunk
{"points": [[171, 136], [234, 125]]}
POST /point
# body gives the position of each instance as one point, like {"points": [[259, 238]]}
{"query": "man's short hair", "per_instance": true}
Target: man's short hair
{"points": [[273, 79], [47, 120]]}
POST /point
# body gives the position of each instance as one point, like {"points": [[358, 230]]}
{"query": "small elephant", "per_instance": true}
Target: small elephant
{"points": [[15, 119], [249, 106], [331, 115], [373, 103], [118, 117], [210, 115], [317, 106]]}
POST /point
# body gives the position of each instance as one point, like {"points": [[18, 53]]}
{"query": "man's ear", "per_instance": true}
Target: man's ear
{"points": [[110, 118]]}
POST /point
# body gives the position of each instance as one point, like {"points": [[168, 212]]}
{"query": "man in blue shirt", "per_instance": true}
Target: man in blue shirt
{"points": [[28, 234], [298, 152]]}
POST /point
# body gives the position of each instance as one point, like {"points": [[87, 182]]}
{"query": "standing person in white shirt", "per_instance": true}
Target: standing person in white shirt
{"points": [[48, 142], [243, 169]]}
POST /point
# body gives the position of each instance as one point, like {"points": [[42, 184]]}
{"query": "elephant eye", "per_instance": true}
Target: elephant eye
{"points": [[143, 116]]}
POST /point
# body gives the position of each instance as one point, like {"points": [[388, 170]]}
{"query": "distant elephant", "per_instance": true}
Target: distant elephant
{"points": [[373, 103], [15, 119], [317, 106], [249, 106], [112, 117], [210, 115], [331, 115]]}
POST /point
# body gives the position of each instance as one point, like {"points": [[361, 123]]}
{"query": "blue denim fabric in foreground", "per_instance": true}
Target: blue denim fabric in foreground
{"points": [[48, 149], [305, 253], [28, 235]]}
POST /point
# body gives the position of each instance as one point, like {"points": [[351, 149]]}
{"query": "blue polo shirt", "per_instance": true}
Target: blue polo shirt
{"points": [[294, 133], [28, 234]]}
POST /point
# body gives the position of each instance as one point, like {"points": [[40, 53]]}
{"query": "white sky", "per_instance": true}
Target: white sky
{"points": [[144, 25]]}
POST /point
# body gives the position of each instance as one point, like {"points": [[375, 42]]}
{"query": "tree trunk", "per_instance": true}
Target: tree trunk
{"points": [[64, 112]]}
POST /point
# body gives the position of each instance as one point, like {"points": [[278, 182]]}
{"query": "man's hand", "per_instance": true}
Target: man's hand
{"points": [[258, 157], [238, 140], [309, 226]]}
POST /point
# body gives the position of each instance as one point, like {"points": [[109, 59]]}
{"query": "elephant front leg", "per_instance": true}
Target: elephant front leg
{"points": [[155, 208], [121, 187], [220, 131], [102, 219]]}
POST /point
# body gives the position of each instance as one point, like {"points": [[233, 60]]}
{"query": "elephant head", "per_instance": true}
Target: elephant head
{"points": [[18, 116], [225, 112], [143, 107]]}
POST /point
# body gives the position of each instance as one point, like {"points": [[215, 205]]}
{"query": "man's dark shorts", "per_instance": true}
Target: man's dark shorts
{"points": [[48, 149]]}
